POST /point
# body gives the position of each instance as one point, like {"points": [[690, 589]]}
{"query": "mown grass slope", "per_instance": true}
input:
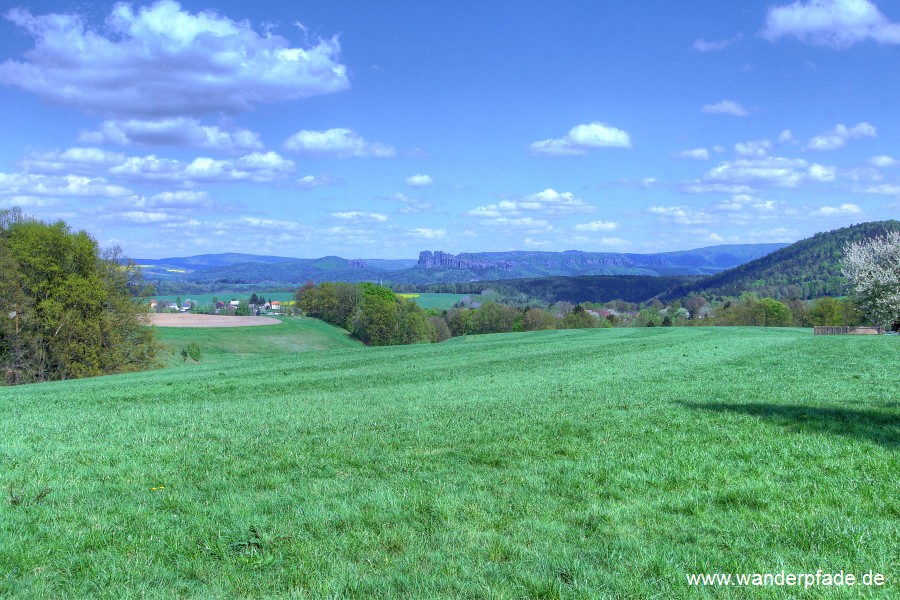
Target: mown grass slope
{"points": [[266, 342], [572, 464]]}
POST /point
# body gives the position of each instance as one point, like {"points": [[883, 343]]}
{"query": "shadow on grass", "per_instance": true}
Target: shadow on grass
{"points": [[876, 426]]}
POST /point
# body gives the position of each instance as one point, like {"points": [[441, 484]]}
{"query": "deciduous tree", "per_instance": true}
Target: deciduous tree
{"points": [[873, 268]]}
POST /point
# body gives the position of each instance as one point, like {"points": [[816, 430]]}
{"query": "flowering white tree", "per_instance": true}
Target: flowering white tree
{"points": [[873, 268]]}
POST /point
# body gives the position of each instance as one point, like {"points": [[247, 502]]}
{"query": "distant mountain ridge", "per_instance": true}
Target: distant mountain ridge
{"points": [[442, 267]]}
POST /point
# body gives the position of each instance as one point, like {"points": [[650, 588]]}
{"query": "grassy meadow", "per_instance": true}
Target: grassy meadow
{"points": [[561, 464], [435, 301], [266, 342], [425, 301]]}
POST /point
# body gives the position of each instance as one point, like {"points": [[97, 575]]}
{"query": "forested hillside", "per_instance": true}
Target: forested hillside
{"points": [[806, 269], [549, 290]]}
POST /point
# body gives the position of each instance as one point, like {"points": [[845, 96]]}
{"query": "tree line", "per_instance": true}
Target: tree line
{"points": [[378, 316], [67, 308]]}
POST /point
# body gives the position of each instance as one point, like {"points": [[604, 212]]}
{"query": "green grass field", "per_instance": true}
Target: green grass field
{"points": [[268, 342], [426, 301], [207, 299], [435, 301], [564, 464]]}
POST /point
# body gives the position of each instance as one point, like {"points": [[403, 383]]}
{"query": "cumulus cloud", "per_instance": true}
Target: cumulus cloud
{"points": [[753, 149], [681, 214], [427, 233], [180, 199], [883, 161], [769, 171], [726, 107], [139, 217], [526, 223], [836, 23], [695, 154], [308, 182], [743, 202], [887, 189], [177, 131], [596, 226], [706, 187], [359, 216], [165, 61], [35, 184], [256, 167], [72, 160], [410, 205], [548, 202], [582, 138], [419, 180], [840, 135], [843, 209], [533, 243], [822, 173], [336, 143]]}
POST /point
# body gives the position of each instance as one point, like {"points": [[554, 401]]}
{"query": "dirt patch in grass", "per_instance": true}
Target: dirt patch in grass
{"points": [[189, 320]]}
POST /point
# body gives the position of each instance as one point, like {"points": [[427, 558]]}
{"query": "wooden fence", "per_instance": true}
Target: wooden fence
{"points": [[822, 330]]}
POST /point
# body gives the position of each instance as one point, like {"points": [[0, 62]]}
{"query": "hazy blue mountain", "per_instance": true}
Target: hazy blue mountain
{"points": [[441, 267]]}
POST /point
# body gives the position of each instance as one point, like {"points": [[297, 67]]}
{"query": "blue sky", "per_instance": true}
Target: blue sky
{"points": [[379, 129]]}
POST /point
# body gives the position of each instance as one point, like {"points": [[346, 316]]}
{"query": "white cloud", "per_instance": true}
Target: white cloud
{"points": [[596, 226], [843, 209], [836, 23], [822, 173], [681, 214], [419, 180], [785, 136], [359, 216], [72, 161], [726, 107], [410, 205], [428, 233], [839, 136], [753, 149], [706, 187], [261, 224], [769, 171], [695, 154], [177, 131], [533, 243], [548, 202], [182, 198], [886, 189], [256, 167], [138, 217], [336, 143], [308, 182], [883, 161], [582, 138], [32, 184], [165, 61], [702, 45], [526, 223]]}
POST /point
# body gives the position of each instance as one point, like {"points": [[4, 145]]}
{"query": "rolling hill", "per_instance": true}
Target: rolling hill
{"points": [[440, 267], [806, 269]]}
